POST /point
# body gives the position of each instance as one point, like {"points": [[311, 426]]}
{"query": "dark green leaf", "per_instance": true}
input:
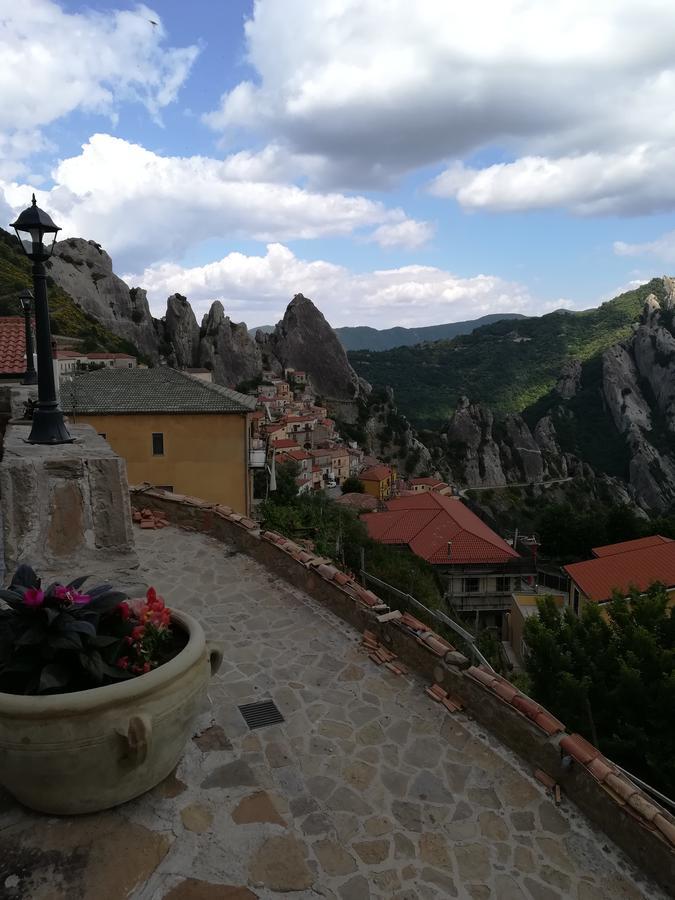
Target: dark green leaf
{"points": [[78, 582], [32, 636], [81, 626], [53, 677], [93, 664], [66, 641], [26, 577], [103, 640], [11, 596], [99, 590]]}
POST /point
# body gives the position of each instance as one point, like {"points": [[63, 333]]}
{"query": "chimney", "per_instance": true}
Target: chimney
{"points": [[449, 549]]}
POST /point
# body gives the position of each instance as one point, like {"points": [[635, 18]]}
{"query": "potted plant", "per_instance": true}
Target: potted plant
{"points": [[98, 693]]}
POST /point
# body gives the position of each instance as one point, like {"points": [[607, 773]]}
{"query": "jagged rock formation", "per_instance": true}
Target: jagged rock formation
{"points": [[570, 379], [226, 348], [181, 333], [304, 340], [638, 383], [618, 409], [390, 437], [84, 270]]}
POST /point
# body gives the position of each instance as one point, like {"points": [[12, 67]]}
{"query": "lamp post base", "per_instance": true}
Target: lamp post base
{"points": [[49, 428]]}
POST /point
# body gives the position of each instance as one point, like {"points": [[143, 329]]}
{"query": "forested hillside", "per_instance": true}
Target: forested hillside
{"points": [[507, 365]]}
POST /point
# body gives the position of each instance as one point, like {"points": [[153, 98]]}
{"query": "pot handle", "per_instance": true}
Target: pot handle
{"points": [[215, 655], [138, 735]]}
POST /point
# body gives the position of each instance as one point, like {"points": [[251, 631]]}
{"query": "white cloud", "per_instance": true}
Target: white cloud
{"points": [[370, 89], [406, 233], [55, 62], [662, 248], [144, 207], [256, 289], [640, 180]]}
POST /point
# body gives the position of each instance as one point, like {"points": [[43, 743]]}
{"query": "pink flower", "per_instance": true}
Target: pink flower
{"points": [[124, 610], [137, 633], [123, 662], [33, 597], [70, 596]]}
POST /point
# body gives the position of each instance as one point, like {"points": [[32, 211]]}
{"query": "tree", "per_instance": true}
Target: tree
{"points": [[287, 488], [352, 485], [611, 678]]}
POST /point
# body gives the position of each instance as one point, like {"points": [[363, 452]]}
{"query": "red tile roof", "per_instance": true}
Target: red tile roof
{"points": [[426, 480], [428, 522], [598, 578], [69, 354], [12, 345], [299, 454], [638, 544], [376, 473], [284, 444], [119, 356]]}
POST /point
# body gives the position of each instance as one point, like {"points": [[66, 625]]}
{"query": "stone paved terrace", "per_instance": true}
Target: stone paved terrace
{"points": [[367, 790]]}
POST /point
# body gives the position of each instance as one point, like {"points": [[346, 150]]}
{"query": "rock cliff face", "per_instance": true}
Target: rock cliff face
{"points": [[638, 384], [85, 271], [390, 437], [226, 348], [181, 333], [304, 340], [620, 407]]}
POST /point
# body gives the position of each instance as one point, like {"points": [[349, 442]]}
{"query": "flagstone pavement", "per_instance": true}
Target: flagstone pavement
{"points": [[368, 789]]}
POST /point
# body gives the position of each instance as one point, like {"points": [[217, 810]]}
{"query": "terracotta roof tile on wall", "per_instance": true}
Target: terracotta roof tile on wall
{"points": [[12, 346], [427, 522], [598, 578]]}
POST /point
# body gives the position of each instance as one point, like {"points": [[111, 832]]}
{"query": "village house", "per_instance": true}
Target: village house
{"points": [[618, 567], [340, 463], [378, 481], [174, 431], [423, 484], [479, 568]]}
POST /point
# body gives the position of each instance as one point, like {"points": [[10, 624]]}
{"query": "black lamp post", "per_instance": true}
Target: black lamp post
{"points": [[37, 235], [26, 301]]}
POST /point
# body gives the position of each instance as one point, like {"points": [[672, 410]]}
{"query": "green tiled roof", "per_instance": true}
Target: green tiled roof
{"points": [[159, 390]]}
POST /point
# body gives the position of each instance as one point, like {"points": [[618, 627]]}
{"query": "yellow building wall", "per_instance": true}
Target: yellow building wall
{"points": [[204, 455], [379, 489]]}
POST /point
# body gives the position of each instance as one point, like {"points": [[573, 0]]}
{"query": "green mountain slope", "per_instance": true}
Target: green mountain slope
{"points": [[507, 365], [65, 315], [361, 337]]}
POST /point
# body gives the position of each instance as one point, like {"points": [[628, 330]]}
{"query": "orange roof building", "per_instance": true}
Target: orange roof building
{"points": [[618, 567], [440, 529], [482, 569]]}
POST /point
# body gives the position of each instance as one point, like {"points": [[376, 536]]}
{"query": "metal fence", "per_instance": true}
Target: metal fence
{"points": [[413, 606]]}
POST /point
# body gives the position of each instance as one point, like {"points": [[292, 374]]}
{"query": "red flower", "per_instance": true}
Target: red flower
{"points": [[146, 667], [151, 596], [137, 633], [124, 610], [123, 662]]}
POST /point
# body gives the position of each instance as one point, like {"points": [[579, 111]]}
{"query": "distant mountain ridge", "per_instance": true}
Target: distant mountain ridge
{"points": [[363, 337], [507, 365]]}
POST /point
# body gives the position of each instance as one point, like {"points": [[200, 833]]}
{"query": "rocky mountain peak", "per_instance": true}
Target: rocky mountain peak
{"points": [[84, 270], [304, 340], [181, 332]]}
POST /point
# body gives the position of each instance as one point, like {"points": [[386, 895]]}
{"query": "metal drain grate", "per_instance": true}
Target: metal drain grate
{"points": [[257, 715]]}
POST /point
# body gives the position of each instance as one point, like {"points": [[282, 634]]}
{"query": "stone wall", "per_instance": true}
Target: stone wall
{"points": [[642, 828], [66, 508]]}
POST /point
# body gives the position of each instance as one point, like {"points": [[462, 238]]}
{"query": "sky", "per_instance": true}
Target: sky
{"points": [[400, 163]]}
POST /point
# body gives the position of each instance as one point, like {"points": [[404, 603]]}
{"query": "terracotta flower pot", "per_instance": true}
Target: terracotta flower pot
{"points": [[90, 750]]}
